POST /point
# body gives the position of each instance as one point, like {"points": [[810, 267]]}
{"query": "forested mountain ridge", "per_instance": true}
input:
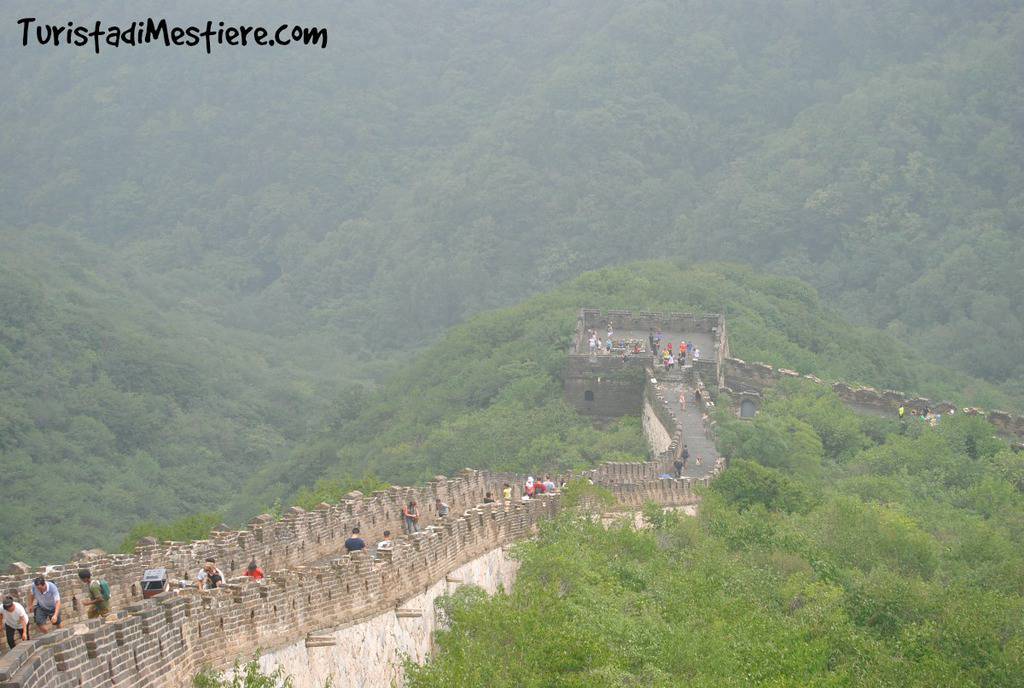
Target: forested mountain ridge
{"points": [[130, 414], [436, 161], [113, 410], [489, 393], [237, 236]]}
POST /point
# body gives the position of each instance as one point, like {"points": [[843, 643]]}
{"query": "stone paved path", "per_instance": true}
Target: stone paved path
{"points": [[693, 426]]}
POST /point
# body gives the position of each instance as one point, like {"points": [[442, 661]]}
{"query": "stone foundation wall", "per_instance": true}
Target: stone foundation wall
{"points": [[658, 437], [374, 649], [664, 457]]}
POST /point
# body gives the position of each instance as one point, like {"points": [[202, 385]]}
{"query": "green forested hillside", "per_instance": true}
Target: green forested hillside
{"points": [[489, 394], [441, 159], [197, 250], [114, 411], [837, 550], [130, 414]]}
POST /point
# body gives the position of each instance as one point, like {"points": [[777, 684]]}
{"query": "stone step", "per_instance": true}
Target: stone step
{"points": [[320, 641], [408, 613]]}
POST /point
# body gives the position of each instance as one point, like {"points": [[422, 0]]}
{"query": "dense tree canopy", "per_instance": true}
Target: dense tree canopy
{"points": [[441, 159], [898, 563]]}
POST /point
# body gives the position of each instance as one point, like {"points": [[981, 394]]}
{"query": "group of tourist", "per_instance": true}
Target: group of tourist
{"points": [[211, 577], [533, 488], [44, 602], [670, 358], [610, 345], [44, 607], [628, 345], [925, 415]]}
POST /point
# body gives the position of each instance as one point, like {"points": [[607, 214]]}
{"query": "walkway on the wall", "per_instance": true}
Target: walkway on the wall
{"points": [[162, 642], [694, 435]]}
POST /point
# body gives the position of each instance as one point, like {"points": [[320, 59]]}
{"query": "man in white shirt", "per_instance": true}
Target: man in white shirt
{"points": [[209, 577], [15, 622]]}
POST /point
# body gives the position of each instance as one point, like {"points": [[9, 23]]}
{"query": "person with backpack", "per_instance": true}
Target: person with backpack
{"points": [[686, 455], [678, 465], [98, 604]]}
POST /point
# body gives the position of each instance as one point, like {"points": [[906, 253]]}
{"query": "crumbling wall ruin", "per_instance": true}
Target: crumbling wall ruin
{"points": [[743, 379]]}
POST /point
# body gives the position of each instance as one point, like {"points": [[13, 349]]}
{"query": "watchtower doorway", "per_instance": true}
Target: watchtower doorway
{"points": [[747, 409]]}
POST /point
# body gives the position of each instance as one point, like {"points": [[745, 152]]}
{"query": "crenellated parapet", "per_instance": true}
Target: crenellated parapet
{"points": [[297, 537], [164, 641]]}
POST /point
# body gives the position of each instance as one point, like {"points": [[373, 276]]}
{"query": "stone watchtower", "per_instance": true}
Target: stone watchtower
{"points": [[608, 386]]}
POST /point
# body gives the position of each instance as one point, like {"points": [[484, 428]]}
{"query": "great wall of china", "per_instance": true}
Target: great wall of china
{"points": [[305, 606]]}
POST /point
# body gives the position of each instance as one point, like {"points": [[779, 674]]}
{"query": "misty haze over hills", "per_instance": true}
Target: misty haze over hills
{"points": [[201, 253]]}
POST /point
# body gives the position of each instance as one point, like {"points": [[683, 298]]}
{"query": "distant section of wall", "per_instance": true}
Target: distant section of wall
{"points": [[608, 386], [373, 650], [744, 379]]}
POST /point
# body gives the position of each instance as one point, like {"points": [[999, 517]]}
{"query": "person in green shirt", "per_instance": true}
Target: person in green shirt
{"points": [[98, 604]]}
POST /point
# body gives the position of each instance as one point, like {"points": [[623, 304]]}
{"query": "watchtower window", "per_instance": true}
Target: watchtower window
{"points": [[747, 409], [588, 396]]}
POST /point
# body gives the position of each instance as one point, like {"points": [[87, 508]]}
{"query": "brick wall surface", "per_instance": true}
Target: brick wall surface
{"points": [[164, 641]]}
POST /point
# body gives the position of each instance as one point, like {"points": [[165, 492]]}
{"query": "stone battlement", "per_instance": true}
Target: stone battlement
{"points": [[164, 641], [596, 319], [298, 537]]}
